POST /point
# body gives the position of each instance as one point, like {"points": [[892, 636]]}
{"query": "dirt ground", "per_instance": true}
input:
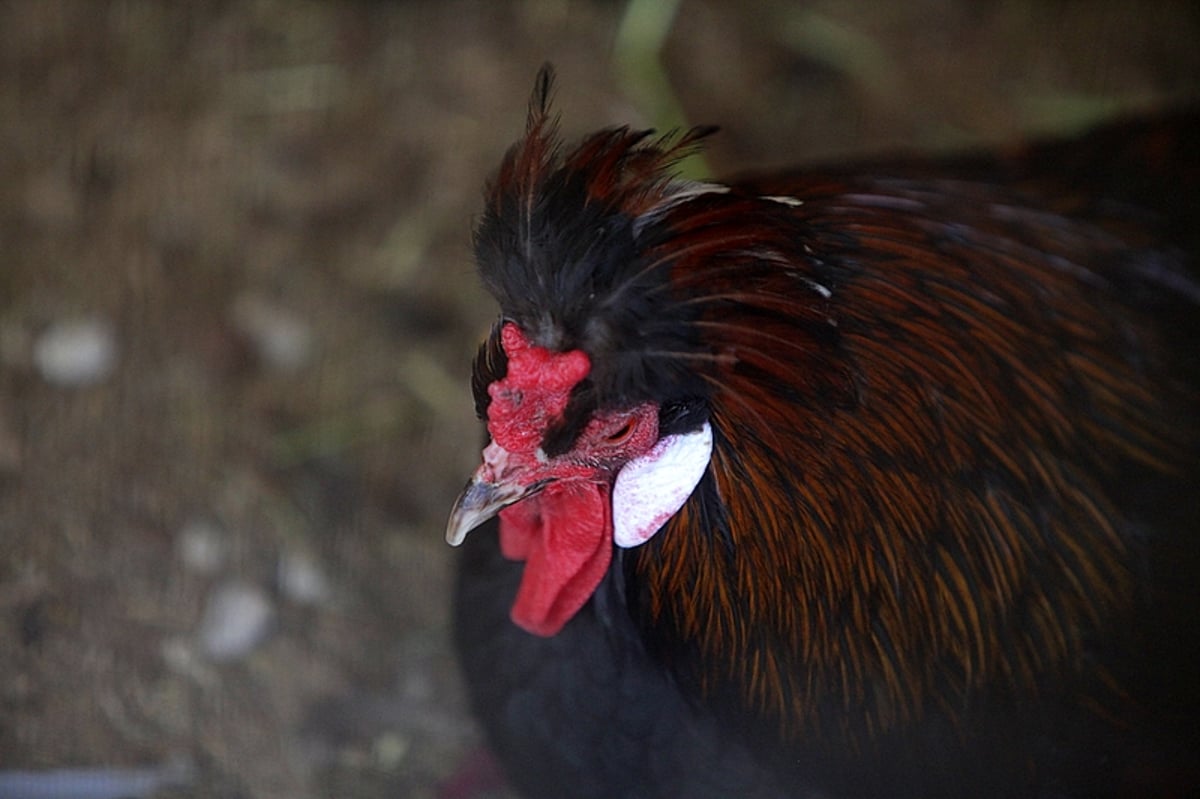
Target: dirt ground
{"points": [[258, 214]]}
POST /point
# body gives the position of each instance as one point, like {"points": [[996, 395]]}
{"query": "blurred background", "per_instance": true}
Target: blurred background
{"points": [[237, 311]]}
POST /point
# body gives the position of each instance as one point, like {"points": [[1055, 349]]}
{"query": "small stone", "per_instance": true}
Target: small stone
{"points": [[301, 579], [76, 353], [280, 337], [389, 750], [201, 546], [236, 620], [180, 655]]}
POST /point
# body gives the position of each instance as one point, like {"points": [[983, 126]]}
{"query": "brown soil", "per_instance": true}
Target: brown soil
{"points": [[192, 172]]}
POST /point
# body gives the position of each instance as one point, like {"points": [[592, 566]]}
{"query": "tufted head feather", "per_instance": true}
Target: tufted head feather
{"points": [[569, 246]]}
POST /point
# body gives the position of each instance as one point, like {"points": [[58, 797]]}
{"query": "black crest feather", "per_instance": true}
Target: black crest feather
{"points": [[569, 246]]}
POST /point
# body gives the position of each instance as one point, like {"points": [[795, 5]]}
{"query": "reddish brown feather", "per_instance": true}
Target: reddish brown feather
{"points": [[947, 567], [926, 393]]}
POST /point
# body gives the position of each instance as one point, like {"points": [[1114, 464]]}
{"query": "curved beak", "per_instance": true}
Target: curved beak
{"points": [[500, 480], [480, 501]]}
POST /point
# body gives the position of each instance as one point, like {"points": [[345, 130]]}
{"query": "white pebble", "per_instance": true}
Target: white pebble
{"points": [[301, 579], [389, 750], [76, 353], [201, 546], [236, 620], [180, 655], [281, 338]]}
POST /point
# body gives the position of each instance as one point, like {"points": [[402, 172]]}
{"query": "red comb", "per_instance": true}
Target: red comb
{"points": [[533, 393]]}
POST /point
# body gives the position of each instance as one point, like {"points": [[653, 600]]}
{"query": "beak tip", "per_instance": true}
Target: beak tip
{"points": [[455, 534], [481, 501], [478, 502]]}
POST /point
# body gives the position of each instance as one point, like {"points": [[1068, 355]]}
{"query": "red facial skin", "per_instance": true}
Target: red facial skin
{"points": [[555, 512]]}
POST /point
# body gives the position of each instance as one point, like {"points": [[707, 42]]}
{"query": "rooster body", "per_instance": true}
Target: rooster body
{"points": [[859, 482]]}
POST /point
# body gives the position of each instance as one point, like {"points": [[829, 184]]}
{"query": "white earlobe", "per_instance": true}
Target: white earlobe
{"points": [[652, 488]]}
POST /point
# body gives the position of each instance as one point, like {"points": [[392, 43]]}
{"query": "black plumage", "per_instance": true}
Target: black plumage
{"points": [[946, 544]]}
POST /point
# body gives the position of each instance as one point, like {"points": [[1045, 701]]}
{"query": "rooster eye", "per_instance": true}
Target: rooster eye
{"points": [[621, 433]]}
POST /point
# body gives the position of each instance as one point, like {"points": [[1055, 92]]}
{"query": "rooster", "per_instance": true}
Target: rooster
{"points": [[862, 482]]}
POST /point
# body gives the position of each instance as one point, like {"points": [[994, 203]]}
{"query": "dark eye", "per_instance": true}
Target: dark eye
{"points": [[621, 433]]}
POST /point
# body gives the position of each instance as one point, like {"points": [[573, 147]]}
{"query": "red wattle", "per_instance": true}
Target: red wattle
{"points": [[564, 535]]}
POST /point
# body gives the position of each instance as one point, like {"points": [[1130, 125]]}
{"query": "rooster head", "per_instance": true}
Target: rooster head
{"points": [[596, 438]]}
